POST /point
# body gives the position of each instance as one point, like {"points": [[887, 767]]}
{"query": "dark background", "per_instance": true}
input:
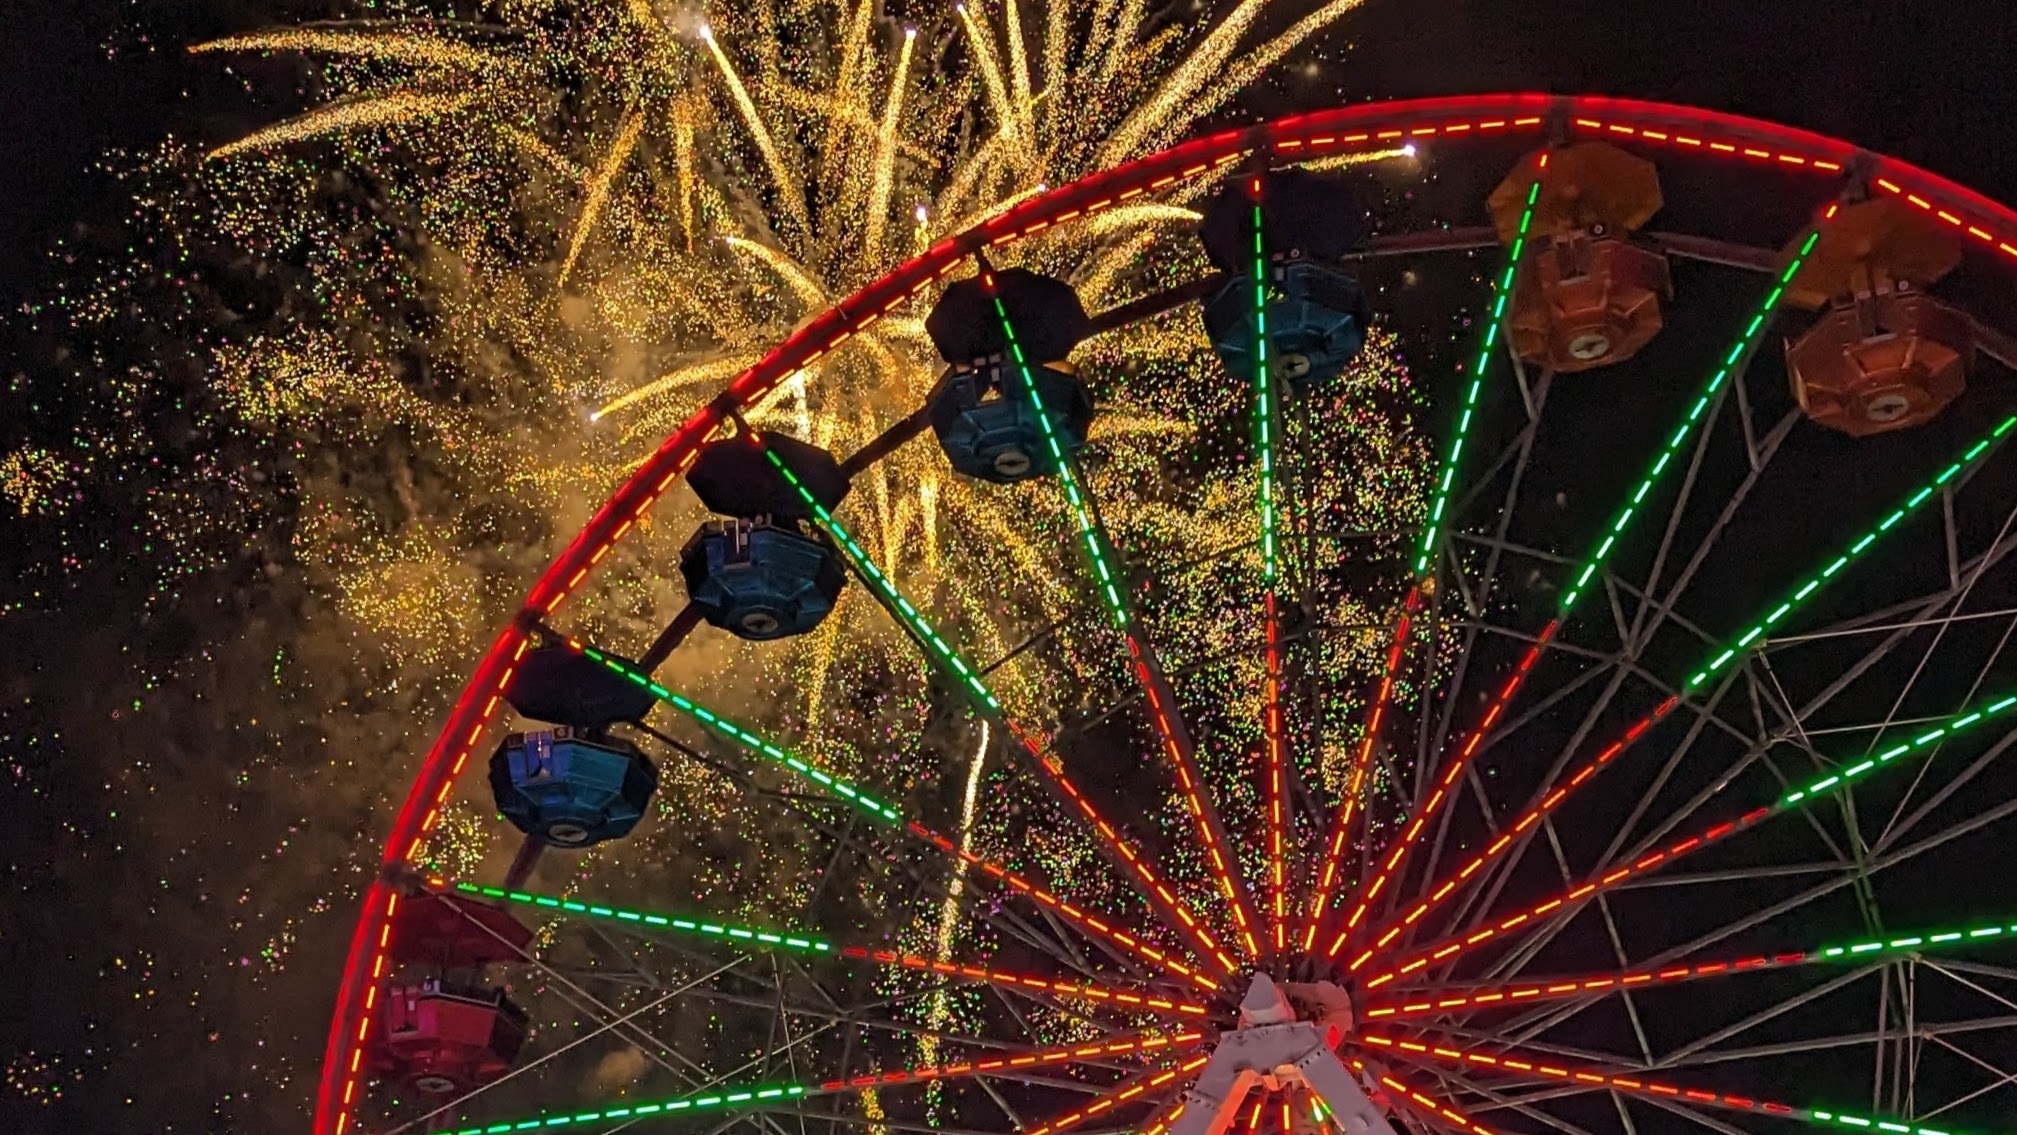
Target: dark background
{"points": [[117, 1013]]}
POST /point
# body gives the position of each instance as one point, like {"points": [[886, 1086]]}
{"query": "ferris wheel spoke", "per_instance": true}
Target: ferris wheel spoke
{"points": [[1540, 1067], [1553, 796], [1165, 715], [1274, 762], [741, 736], [1147, 1085], [968, 902], [1832, 783], [815, 945], [1445, 999], [1468, 748], [869, 805], [1349, 804], [970, 684], [1127, 1045], [1015, 1065], [1440, 1112], [1128, 999], [1491, 1100], [1093, 924], [1426, 552]]}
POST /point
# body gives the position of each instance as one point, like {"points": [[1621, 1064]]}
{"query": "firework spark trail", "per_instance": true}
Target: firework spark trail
{"points": [[1019, 75], [789, 192], [883, 177], [384, 47], [1425, 554], [391, 108], [1252, 64], [948, 912], [701, 374], [597, 197], [790, 271], [1126, 22], [1008, 122]]}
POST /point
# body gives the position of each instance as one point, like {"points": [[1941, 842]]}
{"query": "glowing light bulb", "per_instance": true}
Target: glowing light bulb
{"points": [[1409, 149]]}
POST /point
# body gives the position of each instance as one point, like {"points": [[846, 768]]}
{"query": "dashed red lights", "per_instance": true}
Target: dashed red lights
{"points": [[1570, 899], [1069, 1054], [1439, 1002], [1107, 1101], [1130, 998], [1362, 767], [1097, 924], [1543, 1068], [1398, 854]]}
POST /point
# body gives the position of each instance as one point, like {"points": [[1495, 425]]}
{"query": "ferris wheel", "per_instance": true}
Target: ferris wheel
{"points": [[1674, 800]]}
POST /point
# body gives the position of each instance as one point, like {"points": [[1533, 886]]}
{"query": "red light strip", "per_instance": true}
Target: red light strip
{"points": [[1123, 1093], [1165, 1121], [1651, 862], [1276, 798], [1445, 788], [1515, 1062], [1118, 996], [1577, 986], [1717, 145], [1432, 1107], [2004, 245], [1365, 124], [1548, 803], [1158, 892], [1362, 765], [1088, 921], [1069, 1054], [1176, 745]]}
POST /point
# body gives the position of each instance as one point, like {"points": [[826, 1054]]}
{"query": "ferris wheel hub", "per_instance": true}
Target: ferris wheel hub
{"points": [[1277, 1048]]}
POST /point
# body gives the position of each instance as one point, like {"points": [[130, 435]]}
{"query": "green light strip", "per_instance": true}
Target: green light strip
{"points": [[1089, 532], [665, 922], [638, 1111], [1874, 1124], [1264, 406], [1448, 477], [911, 616], [749, 740], [1691, 420], [1958, 724], [1855, 552], [1912, 942]]}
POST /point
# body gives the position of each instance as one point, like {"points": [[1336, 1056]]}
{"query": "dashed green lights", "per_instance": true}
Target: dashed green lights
{"points": [[1264, 405], [638, 1111], [1088, 524], [748, 740], [1858, 1121], [912, 618], [1447, 479], [1696, 412], [701, 927], [1855, 552], [1934, 736], [1993, 932]]}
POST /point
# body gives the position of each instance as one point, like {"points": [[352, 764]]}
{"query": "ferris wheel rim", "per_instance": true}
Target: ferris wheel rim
{"points": [[1712, 133]]}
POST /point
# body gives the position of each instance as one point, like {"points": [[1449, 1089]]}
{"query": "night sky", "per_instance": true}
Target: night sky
{"points": [[129, 1002]]}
